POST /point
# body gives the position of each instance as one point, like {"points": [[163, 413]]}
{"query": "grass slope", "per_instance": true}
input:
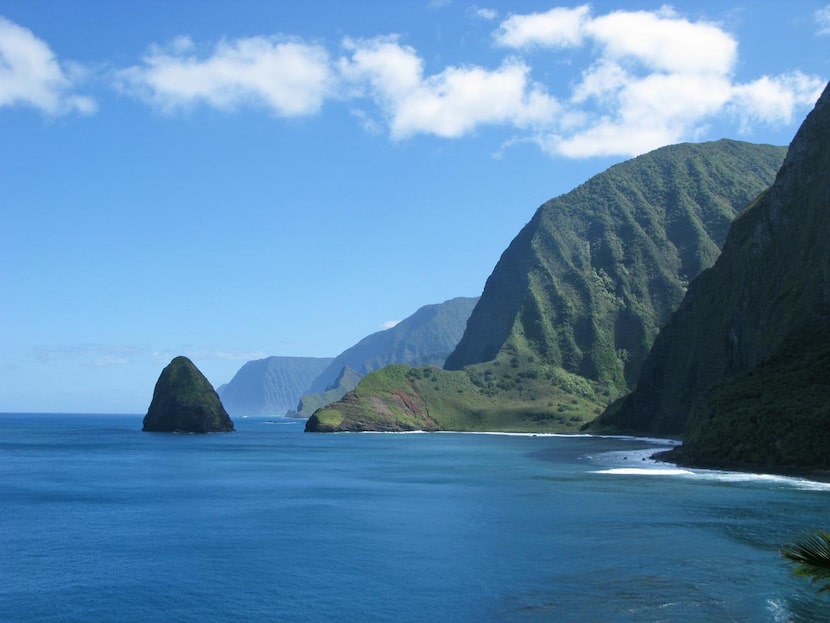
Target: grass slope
{"points": [[506, 395]]}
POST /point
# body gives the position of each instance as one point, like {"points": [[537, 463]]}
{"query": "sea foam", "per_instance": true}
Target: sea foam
{"points": [[727, 477]]}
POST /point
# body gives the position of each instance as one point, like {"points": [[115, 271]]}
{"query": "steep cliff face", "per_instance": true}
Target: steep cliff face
{"points": [[762, 312], [592, 277], [271, 386], [426, 337], [185, 401], [344, 383]]}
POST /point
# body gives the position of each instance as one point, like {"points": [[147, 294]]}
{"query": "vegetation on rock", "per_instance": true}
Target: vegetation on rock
{"points": [[185, 401], [527, 398]]}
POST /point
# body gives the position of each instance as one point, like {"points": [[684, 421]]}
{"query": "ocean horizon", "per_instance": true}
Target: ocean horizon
{"points": [[101, 521]]}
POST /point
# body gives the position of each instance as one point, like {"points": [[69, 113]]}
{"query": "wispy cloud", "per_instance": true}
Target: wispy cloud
{"points": [[95, 355], [214, 353], [107, 355], [484, 13], [285, 75], [31, 75], [389, 324], [822, 17]]}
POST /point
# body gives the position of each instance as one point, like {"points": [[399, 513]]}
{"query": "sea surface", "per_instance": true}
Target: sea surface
{"points": [[101, 522]]}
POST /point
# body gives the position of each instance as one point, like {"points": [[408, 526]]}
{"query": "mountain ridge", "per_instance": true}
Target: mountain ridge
{"points": [[592, 277], [571, 308]]}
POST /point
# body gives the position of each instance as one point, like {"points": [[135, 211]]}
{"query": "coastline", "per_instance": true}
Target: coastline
{"points": [[673, 457]]}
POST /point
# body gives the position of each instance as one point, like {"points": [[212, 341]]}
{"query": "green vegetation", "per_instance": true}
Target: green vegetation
{"points": [[589, 281], [742, 367], [309, 403], [184, 401], [570, 311], [775, 415], [526, 398], [810, 556], [424, 338]]}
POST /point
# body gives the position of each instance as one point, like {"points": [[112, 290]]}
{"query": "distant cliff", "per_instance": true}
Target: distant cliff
{"points": [[742, 367], [184, 401], [309, 403], [270, 386], [426, 337]]}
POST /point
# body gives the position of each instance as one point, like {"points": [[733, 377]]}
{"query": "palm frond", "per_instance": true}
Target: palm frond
{"points": [[810, 556]]}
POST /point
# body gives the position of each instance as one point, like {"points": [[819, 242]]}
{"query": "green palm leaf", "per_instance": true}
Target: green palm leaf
{"points": [[810, 556]]}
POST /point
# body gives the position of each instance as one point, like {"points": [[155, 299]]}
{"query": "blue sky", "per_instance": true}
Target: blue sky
{"points": [[231, 180]]}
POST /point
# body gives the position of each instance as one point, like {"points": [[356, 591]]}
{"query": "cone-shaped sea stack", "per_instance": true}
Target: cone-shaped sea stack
{"points": [[185, 401]]}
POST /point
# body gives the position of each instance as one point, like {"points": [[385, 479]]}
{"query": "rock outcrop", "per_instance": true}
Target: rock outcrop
{"points": [[184, 401]]}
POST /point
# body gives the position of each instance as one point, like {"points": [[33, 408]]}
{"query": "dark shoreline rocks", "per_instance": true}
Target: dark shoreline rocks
{"points": [[184, 401]]}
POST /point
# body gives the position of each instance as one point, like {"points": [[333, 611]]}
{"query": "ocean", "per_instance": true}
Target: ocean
{"points": [[101, 522]]}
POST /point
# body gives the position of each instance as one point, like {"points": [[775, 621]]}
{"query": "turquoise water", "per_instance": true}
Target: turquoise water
{"points": [[100, 522]]}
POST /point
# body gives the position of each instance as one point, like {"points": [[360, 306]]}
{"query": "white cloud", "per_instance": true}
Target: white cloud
{"points": [[774, 99], [664, 42], [30, 75], [287, 76], [389, 324], [449, 104], [647, 79], [653, 78], [822, 17], [559, 27], [218, 353], [94, 355]]}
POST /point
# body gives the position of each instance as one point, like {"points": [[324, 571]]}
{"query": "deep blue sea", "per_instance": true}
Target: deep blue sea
{"points": [[101, 522]]}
